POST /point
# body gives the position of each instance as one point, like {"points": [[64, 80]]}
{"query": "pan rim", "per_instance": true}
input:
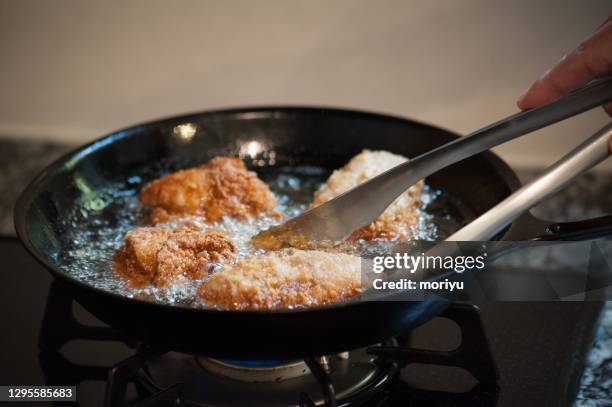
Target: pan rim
{"points": [[25, 199]]}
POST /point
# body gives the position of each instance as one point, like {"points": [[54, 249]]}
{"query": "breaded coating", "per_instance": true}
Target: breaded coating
{"points": [[284, 279], [399, 219], [161, 257], [221, 187]]}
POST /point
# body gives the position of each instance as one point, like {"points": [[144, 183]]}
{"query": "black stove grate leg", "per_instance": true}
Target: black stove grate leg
{"points": [[59, 325], [324, 381], [124, 373], [473, 354], [306, 401]]}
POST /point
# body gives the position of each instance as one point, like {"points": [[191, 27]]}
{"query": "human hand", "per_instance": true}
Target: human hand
{"points": [[591, 60]]}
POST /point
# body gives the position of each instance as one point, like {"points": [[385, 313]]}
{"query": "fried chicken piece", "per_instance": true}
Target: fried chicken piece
{"points": [[399, 219], [221, 187], [284, 279], [157, 256]]}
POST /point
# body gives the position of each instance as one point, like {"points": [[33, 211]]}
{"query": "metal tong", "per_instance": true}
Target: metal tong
{"points": [[591, 152], [336, 219]]}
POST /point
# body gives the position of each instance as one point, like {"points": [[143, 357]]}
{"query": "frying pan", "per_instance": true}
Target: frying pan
{"points": [[299, 135]]}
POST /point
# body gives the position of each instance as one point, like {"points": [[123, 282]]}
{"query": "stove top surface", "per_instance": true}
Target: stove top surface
{"points": [[539, 348]]}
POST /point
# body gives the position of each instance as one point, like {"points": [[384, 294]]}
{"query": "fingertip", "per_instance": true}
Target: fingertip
{"points": [[529, 98], [520, 102], [539, 94], [521, 99], [523, 102]]}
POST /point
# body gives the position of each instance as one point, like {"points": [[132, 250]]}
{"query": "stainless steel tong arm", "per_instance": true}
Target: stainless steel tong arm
{"points": [[588, 154], [337, 218]]}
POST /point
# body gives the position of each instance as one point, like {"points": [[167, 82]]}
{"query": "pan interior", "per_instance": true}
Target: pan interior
{"points": [[78, 211], [95, 229]]}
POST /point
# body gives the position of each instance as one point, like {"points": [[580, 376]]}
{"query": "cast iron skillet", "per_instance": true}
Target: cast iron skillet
{"points": [[316, 136]]}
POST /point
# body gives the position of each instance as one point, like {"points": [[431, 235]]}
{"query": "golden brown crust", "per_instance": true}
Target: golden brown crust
{"points": [[399, 220], [283, 279], [161, 257], [221, 187]]}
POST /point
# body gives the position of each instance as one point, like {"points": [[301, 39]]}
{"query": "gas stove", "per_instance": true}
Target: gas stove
{"points": [[368, 376], [487, 354]]}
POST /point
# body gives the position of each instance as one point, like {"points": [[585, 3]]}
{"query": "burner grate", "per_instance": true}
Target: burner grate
{"points": [[474, 355]]}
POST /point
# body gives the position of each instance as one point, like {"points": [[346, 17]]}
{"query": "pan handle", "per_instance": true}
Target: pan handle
{"points": [[529, 227], [595, 149]]}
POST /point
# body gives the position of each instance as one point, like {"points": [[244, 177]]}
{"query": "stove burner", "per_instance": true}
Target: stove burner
{"points": [[222, 384], [157, 377], [255, 371]]}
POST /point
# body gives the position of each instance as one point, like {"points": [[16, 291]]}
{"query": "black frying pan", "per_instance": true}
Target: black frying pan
{"points": [[315, 136]]}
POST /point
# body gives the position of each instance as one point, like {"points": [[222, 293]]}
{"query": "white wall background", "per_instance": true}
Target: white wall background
{"points": [[74, 70]]}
